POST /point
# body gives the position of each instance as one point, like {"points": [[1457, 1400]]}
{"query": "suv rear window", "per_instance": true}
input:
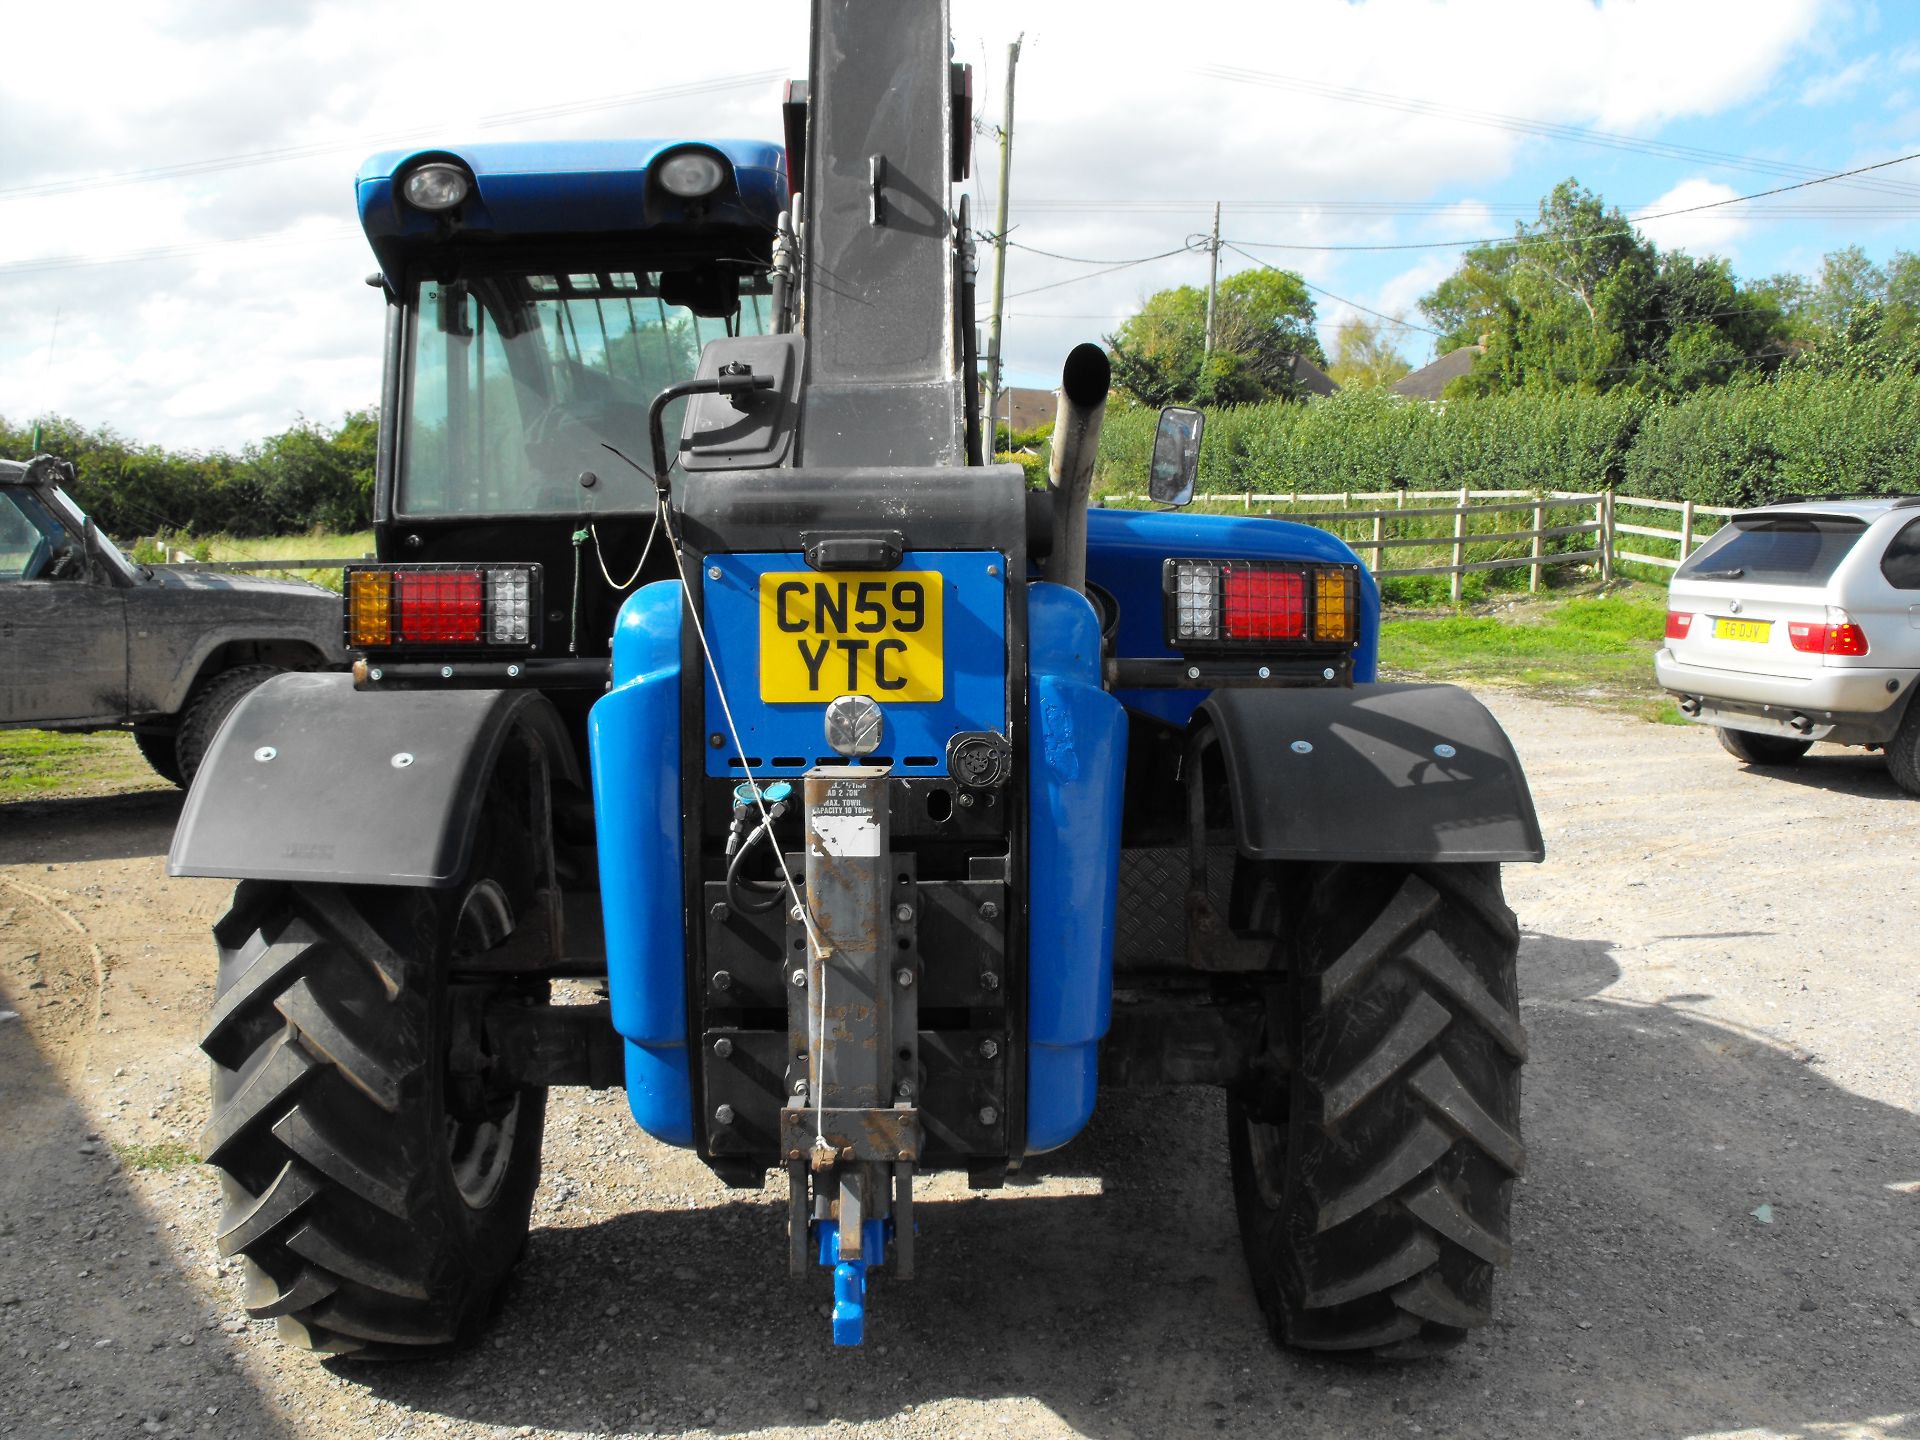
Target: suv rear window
{"points": [[1775, 550]]}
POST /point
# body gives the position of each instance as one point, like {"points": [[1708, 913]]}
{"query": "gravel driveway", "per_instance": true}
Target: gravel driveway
{"points": [[1719, 1234]]}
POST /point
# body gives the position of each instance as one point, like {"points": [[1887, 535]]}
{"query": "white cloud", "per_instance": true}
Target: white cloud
{"points": [[1838, 84], [1707, 232]]}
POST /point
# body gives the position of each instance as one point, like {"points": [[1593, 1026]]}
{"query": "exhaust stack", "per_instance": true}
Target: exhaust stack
{"points": [[1084, 382]]}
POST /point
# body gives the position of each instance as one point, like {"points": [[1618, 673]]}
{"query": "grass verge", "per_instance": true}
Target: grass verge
{"points": [[167, 1155], [42, 765], [1594, 646]]}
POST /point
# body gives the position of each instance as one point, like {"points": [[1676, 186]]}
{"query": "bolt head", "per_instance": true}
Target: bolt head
{"points": [[904, 1089], [988, 1114], [377, 673], [446, 672], [513, 672], [988, 1049], [800, 1086], [1193, 672], [402, 760], [723, 1047], [989, 910], [718, 910], [265, 753], [1265, 673], [716, 740], [903, 977], [713, 572], [799, 979], [903, 914], [723, 1115], [989, 980], [723, 979], [993, 569], [1327, 674], [796, 914]]}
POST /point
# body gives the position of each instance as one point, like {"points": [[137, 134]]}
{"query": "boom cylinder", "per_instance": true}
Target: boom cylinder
{"points": [[1084, 381]]}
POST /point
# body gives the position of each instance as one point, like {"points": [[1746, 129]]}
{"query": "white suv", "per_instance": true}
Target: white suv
{"points": [[1801, 622]]}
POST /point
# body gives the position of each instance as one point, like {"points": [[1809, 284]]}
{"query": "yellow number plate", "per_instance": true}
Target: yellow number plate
{"points": [[1753, 630], [851, 632]]}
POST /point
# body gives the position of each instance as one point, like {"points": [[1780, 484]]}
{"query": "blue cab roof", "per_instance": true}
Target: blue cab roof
{"points": [[528, 189]]}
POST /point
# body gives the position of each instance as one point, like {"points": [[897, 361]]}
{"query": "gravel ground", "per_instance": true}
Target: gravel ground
{"points": [[1718, 1236]]}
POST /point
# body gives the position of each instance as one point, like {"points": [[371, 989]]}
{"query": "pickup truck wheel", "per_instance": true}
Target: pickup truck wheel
{"points": [[160, 749], [206, 710], [1373, 1185], [378, 1170], [1753, 749]]}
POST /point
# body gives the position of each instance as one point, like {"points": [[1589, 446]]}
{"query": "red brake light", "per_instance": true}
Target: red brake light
{"points": [[1679, 624], [1845, 640], [1848, 639], [440, 606], [1263, 605]]}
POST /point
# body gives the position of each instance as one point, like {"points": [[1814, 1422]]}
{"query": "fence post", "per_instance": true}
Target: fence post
{"points": [[1686, 528], [1459, 545], [1379, 534], [1539, 546], [1603, 512], [1246, 501]]}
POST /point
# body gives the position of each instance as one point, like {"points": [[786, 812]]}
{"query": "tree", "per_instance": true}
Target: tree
{"points": [[1263, 319], [1364, 356], [1580, 300]]}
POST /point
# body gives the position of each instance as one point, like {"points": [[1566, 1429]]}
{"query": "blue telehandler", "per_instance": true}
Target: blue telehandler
{"points": [[890, 806]]}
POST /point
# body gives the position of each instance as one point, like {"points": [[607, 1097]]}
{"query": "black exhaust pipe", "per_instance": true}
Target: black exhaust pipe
{"points": [[1084, 382]]}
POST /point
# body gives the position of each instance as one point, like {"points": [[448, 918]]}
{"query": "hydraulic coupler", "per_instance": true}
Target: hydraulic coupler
{"points": [[850, 1133]]}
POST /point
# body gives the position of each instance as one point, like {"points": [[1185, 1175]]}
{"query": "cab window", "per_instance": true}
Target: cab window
{"points": [[23, 549]]}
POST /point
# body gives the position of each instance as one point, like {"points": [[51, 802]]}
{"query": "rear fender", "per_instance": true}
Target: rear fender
{"points": [[311, 780], [1390, 774]]}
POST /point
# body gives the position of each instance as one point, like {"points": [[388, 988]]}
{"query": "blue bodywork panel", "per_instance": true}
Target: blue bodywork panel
{"points": [[973, 607], [566, 187], [1076, 768], [1125, 549], [634, 738]]}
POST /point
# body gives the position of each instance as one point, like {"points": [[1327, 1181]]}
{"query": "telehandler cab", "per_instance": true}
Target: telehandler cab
{"points": [[895, 804]]}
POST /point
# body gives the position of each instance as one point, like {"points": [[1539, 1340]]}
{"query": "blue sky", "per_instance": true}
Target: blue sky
{"points": [[209, 308]]}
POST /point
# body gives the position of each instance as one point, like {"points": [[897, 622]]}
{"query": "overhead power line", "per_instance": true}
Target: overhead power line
{"points": [[280, 154], [1522, 125]]}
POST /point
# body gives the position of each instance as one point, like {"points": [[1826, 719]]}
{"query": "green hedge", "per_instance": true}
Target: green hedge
{"points": [[1746, 444]]}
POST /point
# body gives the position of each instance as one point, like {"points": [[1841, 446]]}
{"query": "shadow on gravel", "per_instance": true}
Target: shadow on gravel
{"points": [[1645, 1299], [90, 827], [1843, 772], [99, 1334]]}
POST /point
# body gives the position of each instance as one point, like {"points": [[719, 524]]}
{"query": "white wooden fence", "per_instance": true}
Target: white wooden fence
{"points": [[1405, 526]]}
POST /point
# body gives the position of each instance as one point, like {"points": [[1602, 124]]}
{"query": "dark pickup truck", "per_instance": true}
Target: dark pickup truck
{"points": [[91, 641]]}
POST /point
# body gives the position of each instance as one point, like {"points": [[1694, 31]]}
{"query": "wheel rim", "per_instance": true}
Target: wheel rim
{"points": [[480, 1126]]}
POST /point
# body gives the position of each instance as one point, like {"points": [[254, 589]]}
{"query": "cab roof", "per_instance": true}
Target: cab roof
{"points": [[527, 190]]}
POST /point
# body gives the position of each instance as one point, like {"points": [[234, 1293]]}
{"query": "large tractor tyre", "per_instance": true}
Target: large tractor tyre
{"points": [[1751, 749], [1373, 1182], [378, 1168], [159, 748], [205, 711]]}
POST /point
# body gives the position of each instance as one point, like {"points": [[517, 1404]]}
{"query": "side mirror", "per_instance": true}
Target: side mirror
{"points": [[1176, 455]]}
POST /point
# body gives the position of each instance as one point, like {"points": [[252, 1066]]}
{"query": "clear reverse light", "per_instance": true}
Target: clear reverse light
{"points": [[691, 174], [436, 187]]}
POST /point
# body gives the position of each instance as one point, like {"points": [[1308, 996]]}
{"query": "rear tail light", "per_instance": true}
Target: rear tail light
{"points": [[1844, 638], [442, 606], [1679, 624], [1259, 602]]}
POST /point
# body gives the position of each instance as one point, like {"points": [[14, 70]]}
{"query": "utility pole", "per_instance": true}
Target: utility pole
{"points": [[1000, 252], [1213, 279]]}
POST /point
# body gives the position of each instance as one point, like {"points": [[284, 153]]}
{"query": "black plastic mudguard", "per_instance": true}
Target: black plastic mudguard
{"points": [[312, 780], [1378, 773]]}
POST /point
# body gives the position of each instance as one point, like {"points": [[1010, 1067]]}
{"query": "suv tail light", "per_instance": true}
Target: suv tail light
{"points": [[1679, 624], [1845, 638], [442, 606], [1231, 603]]}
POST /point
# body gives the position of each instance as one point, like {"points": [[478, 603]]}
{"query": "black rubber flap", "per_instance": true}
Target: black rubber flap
{"points": [[1387, 773]]}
